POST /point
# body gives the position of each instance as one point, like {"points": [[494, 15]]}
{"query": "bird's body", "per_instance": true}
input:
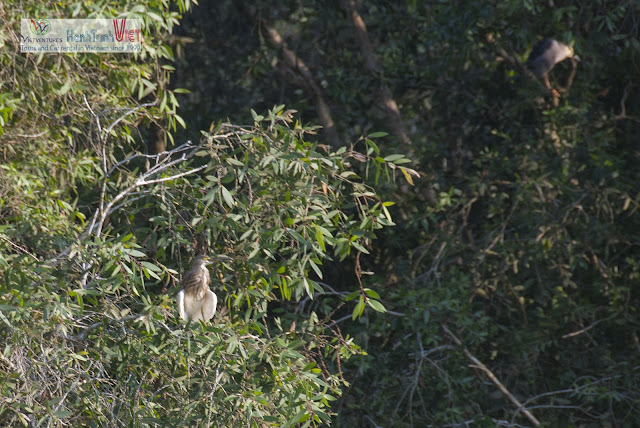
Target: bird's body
{"points": [[195, 300], [546, 54]]}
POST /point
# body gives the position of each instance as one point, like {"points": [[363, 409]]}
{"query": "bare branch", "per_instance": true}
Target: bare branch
{"points": [[584, 330], [33, 135], [159, 157], [478, 364], [142, 181], [105, 209], [131, 111], [20, 248], [298, 65], [389, 105]]}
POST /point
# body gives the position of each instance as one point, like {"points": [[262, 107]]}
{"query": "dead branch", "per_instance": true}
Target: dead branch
{"points": [[581, 331], [298, 65], [164, 161], [623, 108], [389, 105], [479, 365]]}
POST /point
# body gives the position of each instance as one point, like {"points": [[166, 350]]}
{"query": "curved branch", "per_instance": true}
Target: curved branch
{"points": [[297, 64], [389, 105], [479, 365]]}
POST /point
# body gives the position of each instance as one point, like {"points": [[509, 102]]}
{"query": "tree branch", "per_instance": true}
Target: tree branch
{"points": [[105, 209], [389, 105], [82, 336], [478, 364], [143, 181], [297, 64]]}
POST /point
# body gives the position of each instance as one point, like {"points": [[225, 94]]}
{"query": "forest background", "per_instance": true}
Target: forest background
{"points": [[449, 249]]}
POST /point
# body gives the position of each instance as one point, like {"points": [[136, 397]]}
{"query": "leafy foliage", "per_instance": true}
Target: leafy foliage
{"points": [[264, 198]]}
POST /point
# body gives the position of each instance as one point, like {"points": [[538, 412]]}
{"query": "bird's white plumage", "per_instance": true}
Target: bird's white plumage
{"points": [[194, 309], [195, 300], [180, 302]]}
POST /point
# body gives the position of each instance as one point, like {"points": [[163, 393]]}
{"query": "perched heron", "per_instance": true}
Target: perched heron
{"points": [[195, 300], [545, 55]]}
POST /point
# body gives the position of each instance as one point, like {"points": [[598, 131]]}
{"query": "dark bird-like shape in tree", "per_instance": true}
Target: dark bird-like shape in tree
{"points": [[545, 55], [195, 300]]}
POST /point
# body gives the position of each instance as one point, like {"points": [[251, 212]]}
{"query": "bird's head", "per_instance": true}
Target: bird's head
{"points": [[207, 260], [203, 259], [571, 53], [560, 51], [567, 52]]}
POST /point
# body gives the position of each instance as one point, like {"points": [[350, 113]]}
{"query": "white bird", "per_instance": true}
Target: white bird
{"points": [[195, 300]]}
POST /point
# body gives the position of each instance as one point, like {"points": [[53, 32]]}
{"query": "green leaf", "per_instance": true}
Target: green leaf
{"points": [[320, 239], [180, 121], [307, 288], [376, 305], [5, 320], [150, 266], [360, 247], [226, 195], [315, 268], [135, 253], [358, 309], [371, 293], [63, 89], [234, 161], [392, 158], [387, 214], [352, 295], [377, 135]]}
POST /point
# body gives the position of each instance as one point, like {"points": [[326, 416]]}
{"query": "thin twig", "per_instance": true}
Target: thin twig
{"points": [[161, 157], [584, 330], [33, 136], [130, 111], [22, 249]]}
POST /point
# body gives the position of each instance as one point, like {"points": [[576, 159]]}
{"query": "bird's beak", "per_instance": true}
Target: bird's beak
{"points": [[576, 58]]}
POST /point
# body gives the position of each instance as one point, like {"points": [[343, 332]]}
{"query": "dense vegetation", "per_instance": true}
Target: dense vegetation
{"points": [[450, 249]]}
